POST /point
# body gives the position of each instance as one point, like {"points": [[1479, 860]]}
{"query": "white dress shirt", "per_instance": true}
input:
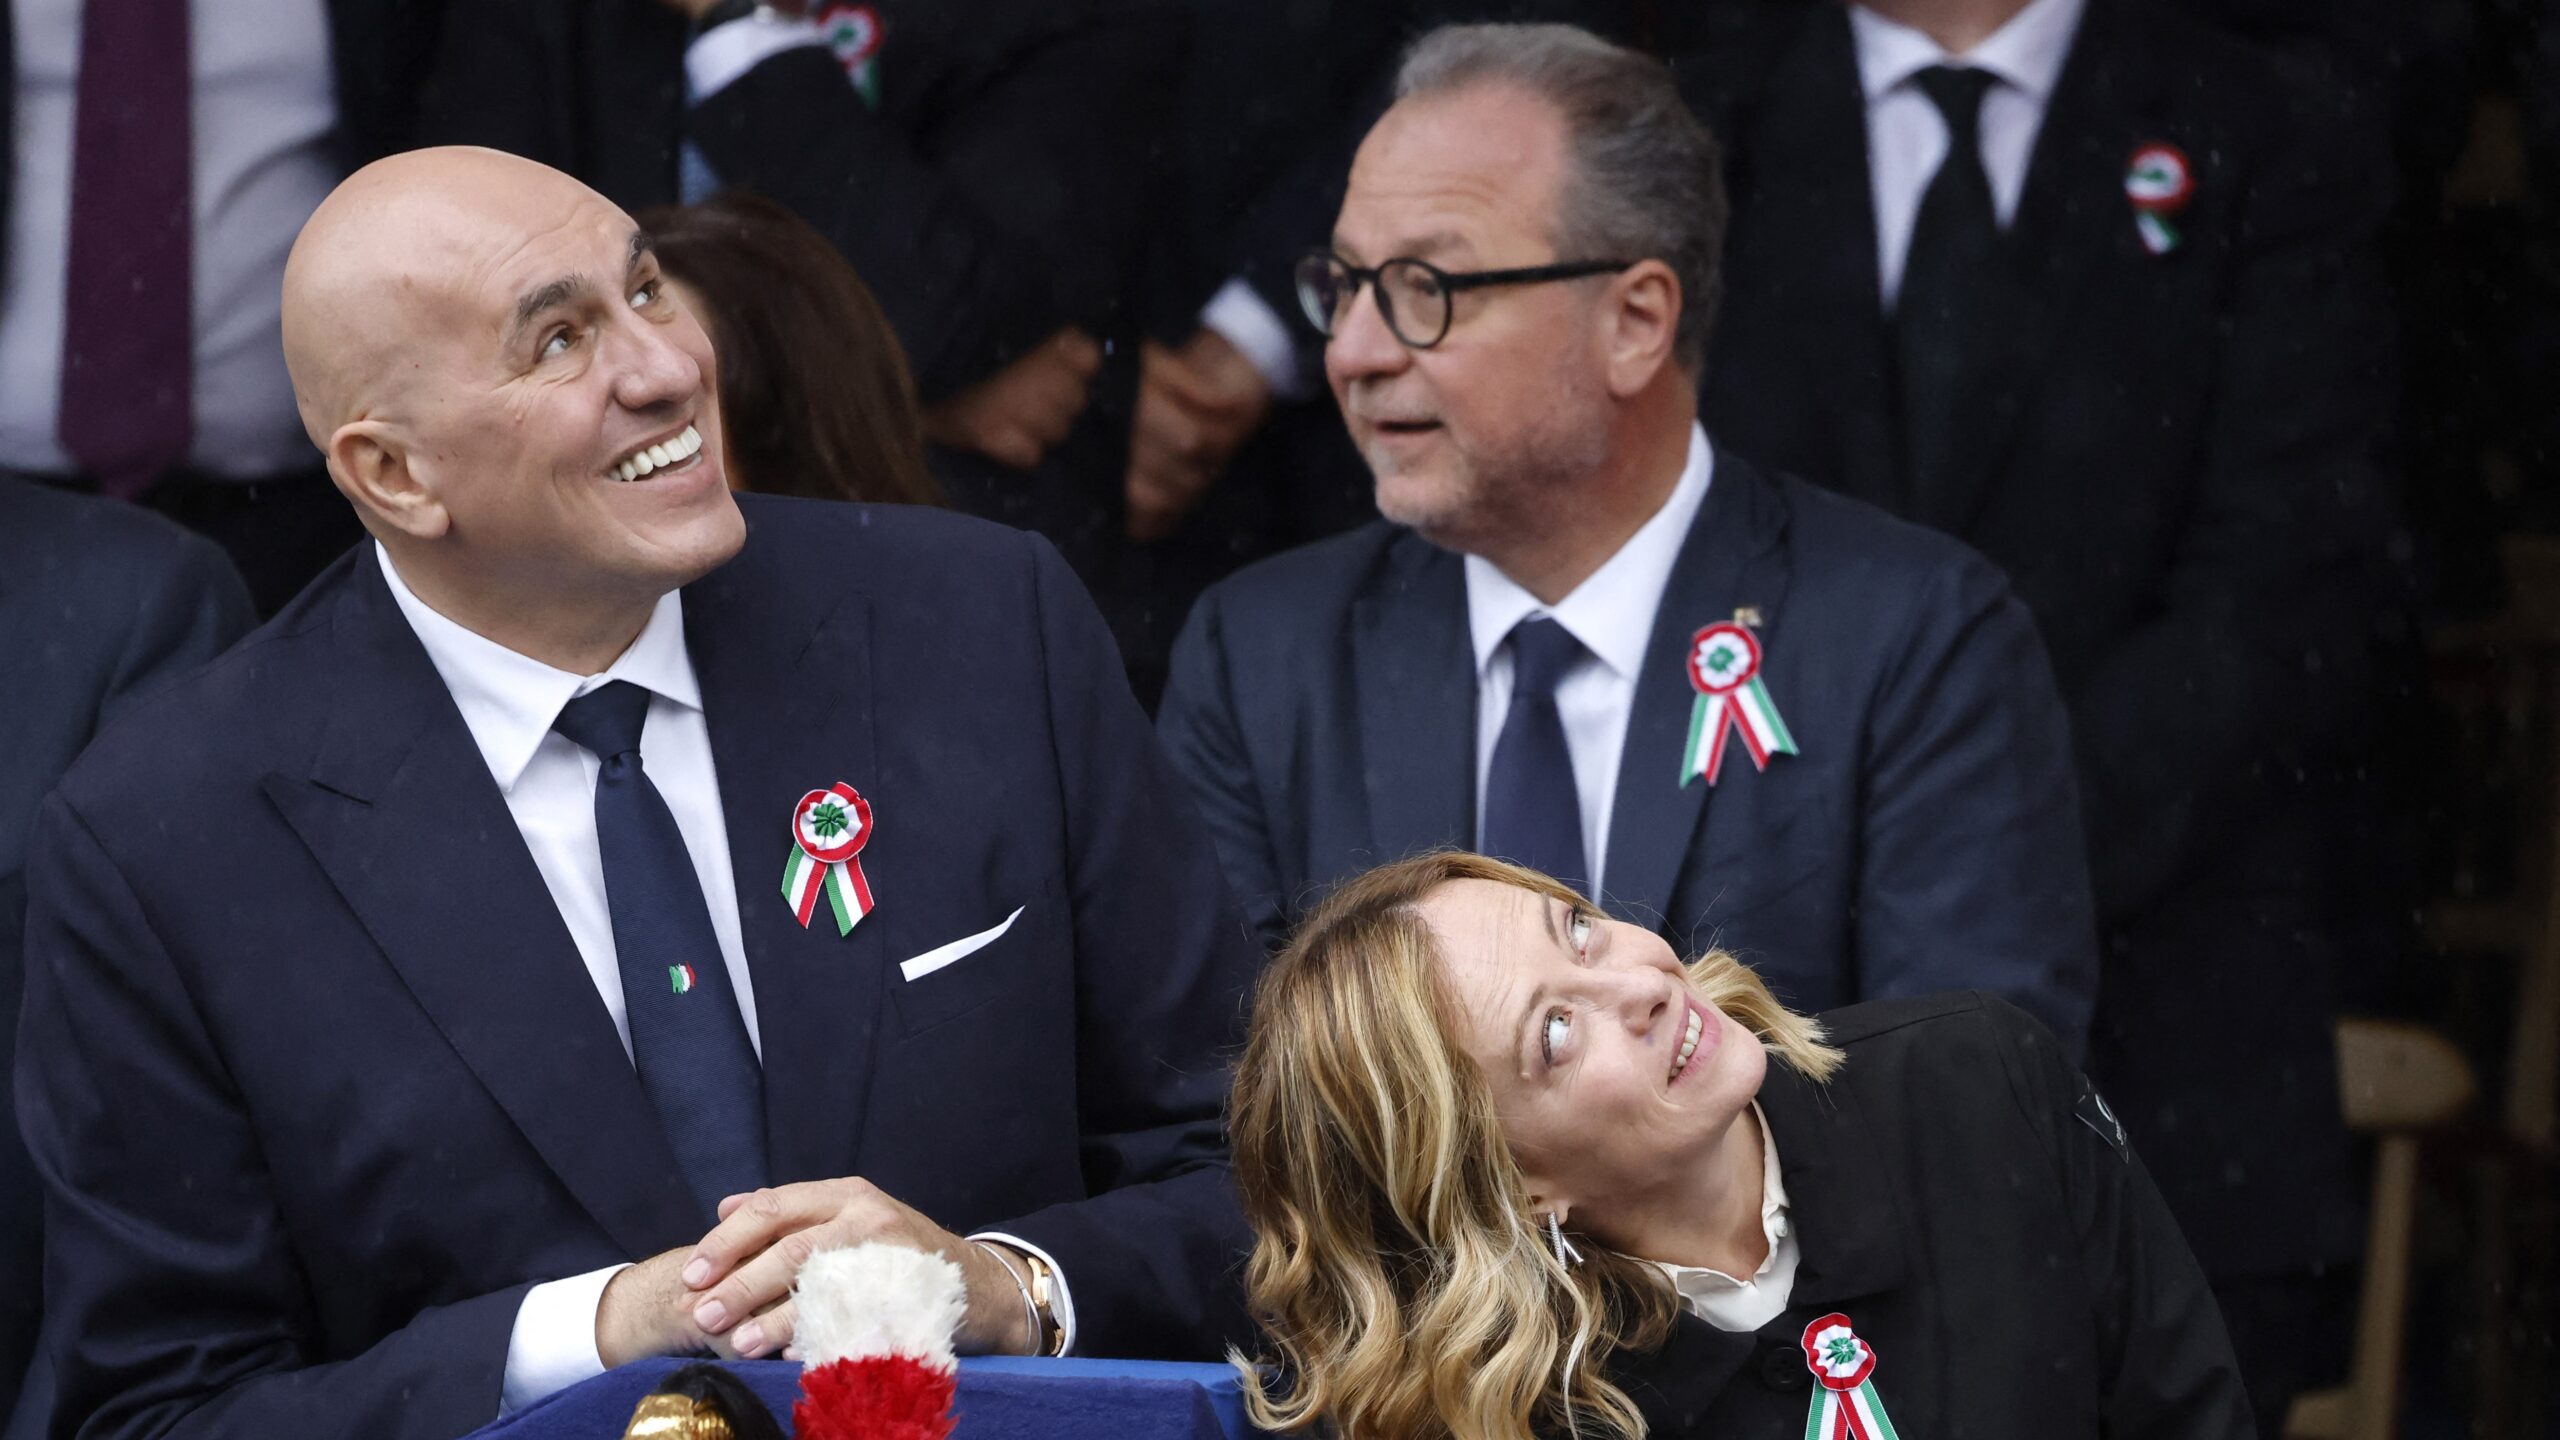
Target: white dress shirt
{"points": [[1734, 1304], [263, 109], [1239, 316], [508, 702], [718, 56], [1611, 613], [1907, 137]]}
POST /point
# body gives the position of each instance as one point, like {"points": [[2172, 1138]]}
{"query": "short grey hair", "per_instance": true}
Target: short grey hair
{"points": [[1645, 179]]}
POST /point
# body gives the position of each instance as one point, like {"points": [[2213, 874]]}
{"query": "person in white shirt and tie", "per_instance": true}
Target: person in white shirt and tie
{"points": [[1589, 637], [2091, 287], [415, 1025]]}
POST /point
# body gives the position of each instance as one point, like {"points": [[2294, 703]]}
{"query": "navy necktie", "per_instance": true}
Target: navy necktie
{"points": [[1954, 242], [1532, 812], [687, 1037]]}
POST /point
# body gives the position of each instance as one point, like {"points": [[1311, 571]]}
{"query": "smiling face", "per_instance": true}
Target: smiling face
{"points": [[1614, 1079], [1474, 441], [574, 430], [505, 385]]}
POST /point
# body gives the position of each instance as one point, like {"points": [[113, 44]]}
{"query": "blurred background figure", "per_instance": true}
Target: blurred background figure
{"points": [[815, 397], [165, 152], [987, 167], [2094, 288], [99, 602]]}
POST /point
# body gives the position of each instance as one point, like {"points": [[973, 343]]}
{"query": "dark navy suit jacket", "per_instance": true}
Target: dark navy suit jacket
{"points": [[318, 1085], [1323, 709], [99, 602]]}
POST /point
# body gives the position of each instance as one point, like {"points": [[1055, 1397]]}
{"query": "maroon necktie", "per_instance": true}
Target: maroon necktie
{"points": [[127, 343]]}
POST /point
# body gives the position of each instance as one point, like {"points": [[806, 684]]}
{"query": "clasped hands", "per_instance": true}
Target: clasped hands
{"points": [[730, 1293]]}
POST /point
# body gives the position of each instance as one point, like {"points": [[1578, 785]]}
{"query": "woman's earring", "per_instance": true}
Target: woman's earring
{"points": [[1565, 1253]]}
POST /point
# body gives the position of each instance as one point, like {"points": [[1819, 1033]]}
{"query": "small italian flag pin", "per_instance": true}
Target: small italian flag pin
{"points": [[828, 830], [1724, 668], [2159, 182], [680, 978]]}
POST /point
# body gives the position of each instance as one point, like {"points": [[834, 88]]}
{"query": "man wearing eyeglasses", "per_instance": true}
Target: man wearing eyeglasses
{"points": [[1749, 712]]}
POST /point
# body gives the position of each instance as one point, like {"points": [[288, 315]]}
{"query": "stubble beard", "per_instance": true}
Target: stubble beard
{"points": [[1493, 505]]}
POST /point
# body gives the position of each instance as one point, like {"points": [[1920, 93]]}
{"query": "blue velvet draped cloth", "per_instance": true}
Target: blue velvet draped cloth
{"points": [[999, 1398]]}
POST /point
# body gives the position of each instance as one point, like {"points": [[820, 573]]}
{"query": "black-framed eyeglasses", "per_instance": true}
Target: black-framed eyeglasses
{"points": [[1414, 296]]}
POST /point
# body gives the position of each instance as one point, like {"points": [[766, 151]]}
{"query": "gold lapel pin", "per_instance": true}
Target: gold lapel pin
{"points": [[1747, 616]]}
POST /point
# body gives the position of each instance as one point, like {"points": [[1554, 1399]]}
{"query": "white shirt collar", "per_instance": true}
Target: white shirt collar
{"points": [[1694, 1280], [509, 700], [2028, 52], [1612, 611]]}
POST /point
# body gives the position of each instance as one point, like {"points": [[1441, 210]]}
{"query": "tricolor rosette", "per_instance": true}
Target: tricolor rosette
{"points": [[874, 1329], [1724, 668], [854, 33], [828, 830], [2159, 181], [1845, 1403]]}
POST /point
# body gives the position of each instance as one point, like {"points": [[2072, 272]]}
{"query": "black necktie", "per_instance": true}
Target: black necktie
{"points": [[1532, 812], [1953, 244], [687, 1037]]}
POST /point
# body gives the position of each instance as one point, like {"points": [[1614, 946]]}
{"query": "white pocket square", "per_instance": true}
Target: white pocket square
{"points": [[960, 949]]}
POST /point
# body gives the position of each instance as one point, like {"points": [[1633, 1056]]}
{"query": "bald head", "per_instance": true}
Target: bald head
{"points": [[380, 265], [521, 412]]}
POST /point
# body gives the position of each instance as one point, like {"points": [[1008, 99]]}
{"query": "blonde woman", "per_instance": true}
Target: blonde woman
{"points": [[1513, 1169]]}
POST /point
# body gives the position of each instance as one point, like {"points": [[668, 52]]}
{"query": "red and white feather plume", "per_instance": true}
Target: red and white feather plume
{"points": [[874, 1329]]}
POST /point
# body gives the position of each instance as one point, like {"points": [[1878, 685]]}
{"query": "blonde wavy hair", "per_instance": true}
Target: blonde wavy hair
{"points": [[1397, 1266]]}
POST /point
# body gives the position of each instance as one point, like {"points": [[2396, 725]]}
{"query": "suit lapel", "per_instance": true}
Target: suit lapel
{"points": [[791, 709], [1848, 1217], [1810, 228], [400, 810], [1415, 670], [1732, 558], [2073, 224]]}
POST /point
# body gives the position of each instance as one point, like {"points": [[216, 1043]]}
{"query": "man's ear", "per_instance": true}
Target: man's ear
{"points": [[369, 460], [1643, 326]]}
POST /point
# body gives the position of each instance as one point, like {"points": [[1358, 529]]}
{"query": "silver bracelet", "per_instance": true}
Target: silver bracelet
{"points": [[1030, 1311]]}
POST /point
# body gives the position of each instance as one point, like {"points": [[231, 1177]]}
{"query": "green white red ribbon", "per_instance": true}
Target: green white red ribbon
{"points": [[854, 33], [2159, 182], [1845, 1403], [828, 830], [1724, 668]]}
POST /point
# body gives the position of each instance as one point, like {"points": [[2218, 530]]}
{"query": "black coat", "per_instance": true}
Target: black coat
{"points": [[1962, 1196], [1003, 188], [1323, 709], [2175, 459]]}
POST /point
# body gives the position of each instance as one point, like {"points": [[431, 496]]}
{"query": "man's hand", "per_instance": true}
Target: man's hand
{"points": [[1196, 407], [646, 1310], [1013, 416], [740, 1275]]}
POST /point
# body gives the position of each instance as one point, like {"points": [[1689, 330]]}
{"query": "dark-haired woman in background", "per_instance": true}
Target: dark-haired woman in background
{"points": [[1514, 1170], [814, 388]]}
